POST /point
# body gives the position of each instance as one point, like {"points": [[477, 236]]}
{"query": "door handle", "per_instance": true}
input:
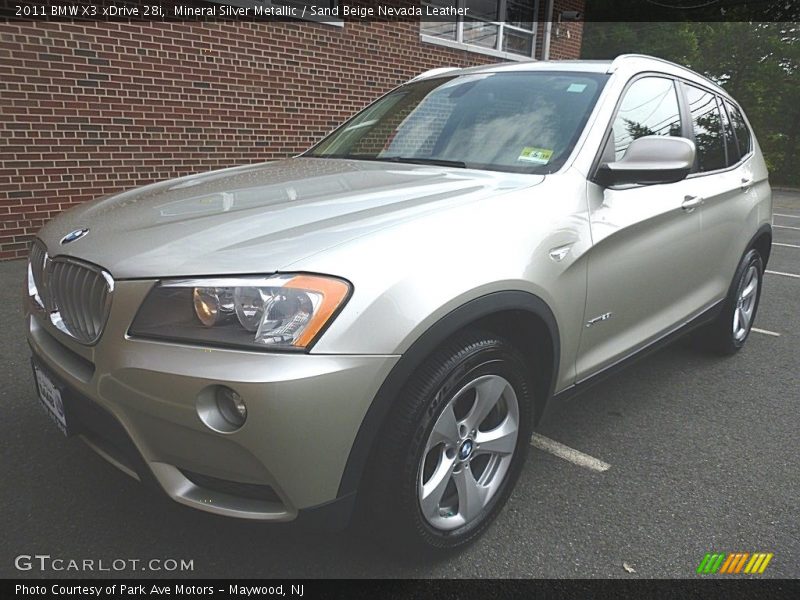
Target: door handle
{"points": [[691, 202], [746, 183]]}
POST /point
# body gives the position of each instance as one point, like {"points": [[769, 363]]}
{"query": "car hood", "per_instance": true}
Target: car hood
{"points": [[260, 218]]}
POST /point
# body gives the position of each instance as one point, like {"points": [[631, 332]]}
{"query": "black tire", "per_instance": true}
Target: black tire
{"points": [[392, 505], [719, 336]]}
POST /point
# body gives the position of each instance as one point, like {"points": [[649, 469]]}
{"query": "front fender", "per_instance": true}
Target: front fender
{"points": [[420, 349]]}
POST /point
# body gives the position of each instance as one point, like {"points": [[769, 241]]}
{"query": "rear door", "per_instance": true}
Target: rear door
{"points": [[643, 267], [724, 178]]}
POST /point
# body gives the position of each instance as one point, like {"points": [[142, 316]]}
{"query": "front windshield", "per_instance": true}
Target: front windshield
{"points": [[509, 121]]}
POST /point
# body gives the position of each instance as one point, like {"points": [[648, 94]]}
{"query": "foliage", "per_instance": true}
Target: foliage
{"points": [[758, 63]]}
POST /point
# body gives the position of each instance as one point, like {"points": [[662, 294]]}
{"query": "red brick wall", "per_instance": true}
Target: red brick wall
{"points": [[566, 37], [91, 108]]}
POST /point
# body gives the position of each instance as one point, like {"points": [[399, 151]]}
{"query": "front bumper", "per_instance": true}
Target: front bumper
{"points": [[135, 401]]}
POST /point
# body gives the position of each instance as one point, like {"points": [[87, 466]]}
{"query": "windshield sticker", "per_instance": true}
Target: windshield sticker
{"points": [[576, 87], [539, 156]]}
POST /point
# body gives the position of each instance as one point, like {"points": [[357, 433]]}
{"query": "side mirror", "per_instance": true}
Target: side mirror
{"points": [[649, 160]]}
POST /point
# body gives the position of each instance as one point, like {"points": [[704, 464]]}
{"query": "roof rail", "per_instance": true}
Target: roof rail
{"points": [[434, 72], [622, 57], [615, 64]]}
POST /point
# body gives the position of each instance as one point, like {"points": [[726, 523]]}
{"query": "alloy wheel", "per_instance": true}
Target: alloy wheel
{"points": [[746, 303], [468, 452]]}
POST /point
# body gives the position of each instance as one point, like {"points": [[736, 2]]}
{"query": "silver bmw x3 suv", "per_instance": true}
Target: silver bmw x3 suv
{"points": [[375, 326]]}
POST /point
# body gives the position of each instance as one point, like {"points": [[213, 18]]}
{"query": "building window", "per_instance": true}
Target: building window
{"points": [[501, 27]]}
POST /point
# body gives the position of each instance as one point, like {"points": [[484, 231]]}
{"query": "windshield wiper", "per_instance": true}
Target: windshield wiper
{"points": [[424, 161], [397, 159]]}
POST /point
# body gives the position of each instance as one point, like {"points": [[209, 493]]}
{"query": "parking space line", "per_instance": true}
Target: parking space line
{"points": [[785, 245], [783, 274], [786, 227], [765, 331], [788, 216], [570, 454]]}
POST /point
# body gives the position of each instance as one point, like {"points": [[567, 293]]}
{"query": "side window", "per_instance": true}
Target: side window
{"points": [[707, 125], [650, 107], [731, 149], [743, 137]]}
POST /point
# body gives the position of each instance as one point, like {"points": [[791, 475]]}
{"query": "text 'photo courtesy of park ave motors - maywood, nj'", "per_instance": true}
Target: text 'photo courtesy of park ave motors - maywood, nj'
{"points": [[342, 10]]}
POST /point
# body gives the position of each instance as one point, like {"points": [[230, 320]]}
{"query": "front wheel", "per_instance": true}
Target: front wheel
{"points": [[728, 333], [453, 446]]}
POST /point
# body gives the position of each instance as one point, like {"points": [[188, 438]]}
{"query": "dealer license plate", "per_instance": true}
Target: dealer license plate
{"points": [[50, 397]]}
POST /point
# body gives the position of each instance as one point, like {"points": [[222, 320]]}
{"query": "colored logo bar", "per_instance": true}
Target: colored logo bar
{"points": [[733, 563]]}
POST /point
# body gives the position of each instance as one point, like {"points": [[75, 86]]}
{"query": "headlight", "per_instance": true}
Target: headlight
{"points": [[278, 312]]}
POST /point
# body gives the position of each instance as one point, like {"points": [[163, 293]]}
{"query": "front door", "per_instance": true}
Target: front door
{"points": [[644, 277]]}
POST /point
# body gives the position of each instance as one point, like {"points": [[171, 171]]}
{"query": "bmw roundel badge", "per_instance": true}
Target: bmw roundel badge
{"points": [[74, 235]]}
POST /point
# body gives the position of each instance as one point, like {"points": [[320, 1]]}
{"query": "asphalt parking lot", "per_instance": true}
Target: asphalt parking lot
{"points": [[703, 456]]}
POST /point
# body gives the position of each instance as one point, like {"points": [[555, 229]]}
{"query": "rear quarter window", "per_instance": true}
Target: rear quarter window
{"points": [[744, 139], [731, 149]]}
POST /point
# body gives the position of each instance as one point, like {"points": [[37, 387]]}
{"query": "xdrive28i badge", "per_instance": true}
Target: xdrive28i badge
{"points": [[74, 235]]}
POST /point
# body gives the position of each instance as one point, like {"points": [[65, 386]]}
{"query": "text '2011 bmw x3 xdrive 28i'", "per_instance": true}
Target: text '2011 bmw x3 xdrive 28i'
{"points": [[384, 317]]}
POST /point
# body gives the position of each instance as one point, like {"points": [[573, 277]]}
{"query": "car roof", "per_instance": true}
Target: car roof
{"points": [[592, 66], [629, 63]]}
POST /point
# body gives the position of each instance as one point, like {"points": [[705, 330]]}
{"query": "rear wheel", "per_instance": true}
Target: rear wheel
{"points": [[452, 447], [728, 333]]}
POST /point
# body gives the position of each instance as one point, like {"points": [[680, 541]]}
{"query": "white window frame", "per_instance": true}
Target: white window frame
{"points": [[497, 51]]}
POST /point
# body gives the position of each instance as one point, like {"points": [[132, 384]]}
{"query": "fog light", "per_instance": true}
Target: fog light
{"points": [[221, 409], [231, 406]]}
